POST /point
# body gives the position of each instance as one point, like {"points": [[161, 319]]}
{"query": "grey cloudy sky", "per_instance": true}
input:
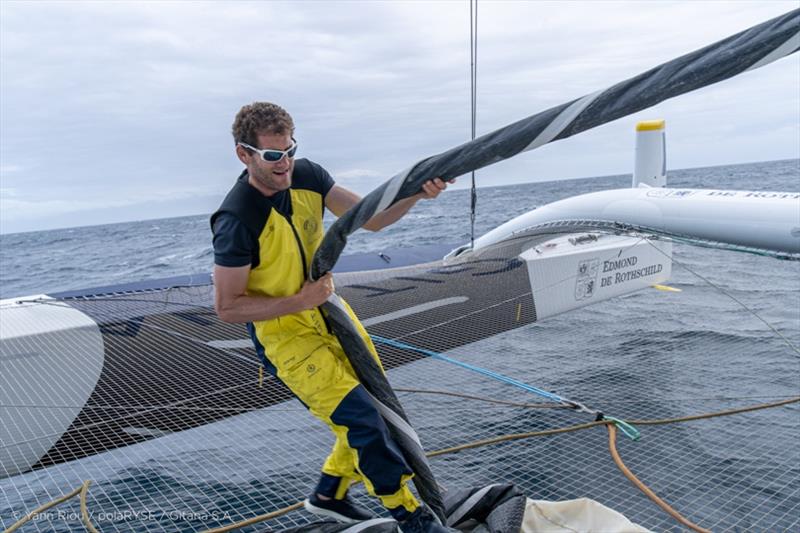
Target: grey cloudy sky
{"points": [[113, 111]]}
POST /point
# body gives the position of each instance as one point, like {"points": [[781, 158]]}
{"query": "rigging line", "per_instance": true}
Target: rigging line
{"points": [[732, 297], [481, 398], [149, 290], [623, 426], [614, 227], [569, 429], [709, 243], [91, 299], [473, 52], [487, 399], [716, 245], [480, 370], [235, 410]]}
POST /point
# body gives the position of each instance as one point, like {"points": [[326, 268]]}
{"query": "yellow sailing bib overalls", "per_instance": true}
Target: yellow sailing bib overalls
{"points": [[300, 350]]}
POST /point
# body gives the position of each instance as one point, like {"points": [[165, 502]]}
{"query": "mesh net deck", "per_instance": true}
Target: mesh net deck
{"points": [[181, 435]]}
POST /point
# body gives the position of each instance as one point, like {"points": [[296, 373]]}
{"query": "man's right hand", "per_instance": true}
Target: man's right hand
{"points": [[315, 293]]}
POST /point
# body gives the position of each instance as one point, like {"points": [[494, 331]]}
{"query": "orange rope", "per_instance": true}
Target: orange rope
{"points": [[612, 446], [19, 523]]}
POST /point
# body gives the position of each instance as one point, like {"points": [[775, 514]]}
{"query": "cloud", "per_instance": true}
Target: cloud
{"points": [[10, 169], [115, 102], [15, 205], [7, 192]]}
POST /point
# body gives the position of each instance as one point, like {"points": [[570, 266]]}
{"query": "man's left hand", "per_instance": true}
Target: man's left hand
{"points": [[432, 188]]}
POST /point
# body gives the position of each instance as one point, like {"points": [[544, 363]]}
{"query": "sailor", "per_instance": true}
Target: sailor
{"points": [[265, 234]]}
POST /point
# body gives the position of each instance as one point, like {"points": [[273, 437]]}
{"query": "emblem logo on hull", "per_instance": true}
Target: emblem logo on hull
{"points": [[586, 279]]}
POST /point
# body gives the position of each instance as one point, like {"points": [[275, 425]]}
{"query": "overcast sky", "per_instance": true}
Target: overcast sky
{"points": [[113, 111]]}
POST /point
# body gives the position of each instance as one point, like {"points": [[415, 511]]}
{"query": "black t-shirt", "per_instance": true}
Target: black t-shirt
{"points": [[234, 243]]}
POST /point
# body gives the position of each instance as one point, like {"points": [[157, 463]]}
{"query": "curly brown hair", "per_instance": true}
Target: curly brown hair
{"points": [[259, 118]]}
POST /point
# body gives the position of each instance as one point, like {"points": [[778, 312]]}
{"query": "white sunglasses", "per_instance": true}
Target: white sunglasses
{"points": [[272, 156]]}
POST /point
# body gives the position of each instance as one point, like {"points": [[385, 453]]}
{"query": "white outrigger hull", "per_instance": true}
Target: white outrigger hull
{"points": [[764, 220]]}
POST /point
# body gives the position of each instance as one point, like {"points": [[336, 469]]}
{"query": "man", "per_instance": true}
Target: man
{"points": [[265, 234]]}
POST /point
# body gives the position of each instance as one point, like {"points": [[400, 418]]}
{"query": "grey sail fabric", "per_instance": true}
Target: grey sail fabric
{"points": [[376, 525], [498, 508], [752, 48]]}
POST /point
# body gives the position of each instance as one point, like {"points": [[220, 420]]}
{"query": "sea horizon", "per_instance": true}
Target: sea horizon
{"points": [[82, 257], [460, 188]]}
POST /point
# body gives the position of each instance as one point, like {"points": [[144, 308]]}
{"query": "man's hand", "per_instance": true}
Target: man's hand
{"points": [[432, 188], [315, 293]]}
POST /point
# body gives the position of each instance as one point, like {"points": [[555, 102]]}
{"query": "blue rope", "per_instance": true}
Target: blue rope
{"points": [[626, 428], [479, 370]]}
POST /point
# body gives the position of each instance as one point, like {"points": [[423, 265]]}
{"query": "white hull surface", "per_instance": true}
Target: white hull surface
{"points": [[45, 381], [566, 273], [765, 220]]}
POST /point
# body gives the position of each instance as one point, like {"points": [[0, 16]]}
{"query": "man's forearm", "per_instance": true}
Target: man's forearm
{"points": [[391, 215], [247, 308]]}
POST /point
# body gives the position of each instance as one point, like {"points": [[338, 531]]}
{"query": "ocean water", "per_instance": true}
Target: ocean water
{"points": [[650, 355], [77, 258]]}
